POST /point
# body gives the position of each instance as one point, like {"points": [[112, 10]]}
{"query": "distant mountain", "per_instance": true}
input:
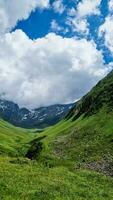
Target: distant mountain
{"points": [[36, 118], [73, 151]]}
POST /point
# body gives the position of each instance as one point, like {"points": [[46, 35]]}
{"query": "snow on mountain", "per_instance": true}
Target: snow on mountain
{"points": [[36, 118]]}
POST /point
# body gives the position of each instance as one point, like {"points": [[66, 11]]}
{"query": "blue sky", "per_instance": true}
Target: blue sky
{"points": [[53, 51], [39, 22]]}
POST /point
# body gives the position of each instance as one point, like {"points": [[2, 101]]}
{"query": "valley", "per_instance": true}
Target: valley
{"points": [[56, 100], [72, 160]]}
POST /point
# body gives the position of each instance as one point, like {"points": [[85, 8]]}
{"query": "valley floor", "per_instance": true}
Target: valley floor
{"points": [[60, 167], [22, 179]]}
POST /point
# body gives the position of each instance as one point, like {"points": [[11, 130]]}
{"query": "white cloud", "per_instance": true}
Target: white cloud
{"points": [[58, 6], [49, 70], [78, 25], [106, 31], [88, 7], [72, 12], [111, 5], [12, 11], [55, 26], [78, 16]]}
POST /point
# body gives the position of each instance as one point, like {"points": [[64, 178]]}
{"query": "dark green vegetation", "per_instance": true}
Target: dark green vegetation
{"points": [[71, 161], [101, 95]]}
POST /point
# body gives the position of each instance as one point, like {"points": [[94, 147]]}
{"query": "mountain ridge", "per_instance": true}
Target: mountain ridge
{"points": [[85, 136], [71, 160], [99, 95], [36, 118]]}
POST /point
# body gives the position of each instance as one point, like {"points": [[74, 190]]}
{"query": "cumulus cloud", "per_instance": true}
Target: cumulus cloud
{"points": [[55, 26], [12, 11], [106, 31], [48, 70], [78, 25], [58, 6], [88, 7], [78, 16], [111, 5]]}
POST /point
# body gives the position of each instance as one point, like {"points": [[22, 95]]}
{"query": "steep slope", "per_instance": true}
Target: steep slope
{"points": [[36, 118], [101, 95], [64, 162], [85, 137]]}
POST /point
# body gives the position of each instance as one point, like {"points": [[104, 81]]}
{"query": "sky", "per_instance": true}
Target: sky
{"points": [[53, 51]]}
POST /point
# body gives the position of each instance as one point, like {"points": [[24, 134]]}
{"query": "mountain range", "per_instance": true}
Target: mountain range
{"points": [[36, 118], [71, 160]]}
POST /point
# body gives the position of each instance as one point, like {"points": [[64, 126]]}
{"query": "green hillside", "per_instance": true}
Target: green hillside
{"points": [[85, 137], [13, 140], [72, 160], [101, 95]]}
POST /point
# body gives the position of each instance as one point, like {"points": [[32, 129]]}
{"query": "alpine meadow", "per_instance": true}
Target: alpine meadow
{"points": [[56, 100]]}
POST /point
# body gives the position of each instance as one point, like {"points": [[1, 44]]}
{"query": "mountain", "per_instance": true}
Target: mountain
{"points": [[36, 118], [101, 95], [70, 160], [85, 138]]}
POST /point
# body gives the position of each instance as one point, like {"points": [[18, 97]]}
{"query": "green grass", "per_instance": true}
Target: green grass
{"points": [[82, 141], [32, 181], [13, 140], [56, 175], [72, 160]]}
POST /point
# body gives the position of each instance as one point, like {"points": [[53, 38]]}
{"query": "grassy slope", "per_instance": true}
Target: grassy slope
{"points": [[57, 174], [82, 141], [71, 149], [86, 138], [13, 139]]}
